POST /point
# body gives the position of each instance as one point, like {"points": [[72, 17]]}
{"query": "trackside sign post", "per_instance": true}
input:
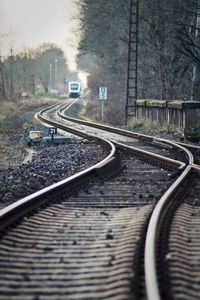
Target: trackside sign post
{"points": [[103, 93], [52, 131], [102, 97]]}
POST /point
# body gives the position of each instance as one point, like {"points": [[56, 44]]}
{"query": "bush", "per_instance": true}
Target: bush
{"points": [[144, 125]]}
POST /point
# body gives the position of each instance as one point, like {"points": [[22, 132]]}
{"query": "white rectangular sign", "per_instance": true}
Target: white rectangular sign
{"points": [[103, 93]]}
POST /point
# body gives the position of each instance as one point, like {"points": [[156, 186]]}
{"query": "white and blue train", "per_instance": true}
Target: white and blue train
{"points": [[74, 89]]}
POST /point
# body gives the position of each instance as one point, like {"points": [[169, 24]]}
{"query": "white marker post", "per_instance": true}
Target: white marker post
{"points": [[102, 97]]}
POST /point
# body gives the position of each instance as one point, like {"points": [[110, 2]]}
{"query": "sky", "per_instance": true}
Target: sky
{"points": [[29, 23]]}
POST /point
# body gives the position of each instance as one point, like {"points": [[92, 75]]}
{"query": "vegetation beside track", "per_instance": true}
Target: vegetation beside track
{"points": [[12, 109], [142, 126], [15, 117]]}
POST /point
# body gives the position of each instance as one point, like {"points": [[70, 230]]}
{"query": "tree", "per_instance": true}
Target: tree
{"points": [[195, 91], [103, 53], [46, 55], [23, 71], [163, 72], [188, 43]]}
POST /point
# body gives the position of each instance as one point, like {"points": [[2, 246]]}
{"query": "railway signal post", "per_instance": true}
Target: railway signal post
{"points": [[52, 131], [102, 97]]}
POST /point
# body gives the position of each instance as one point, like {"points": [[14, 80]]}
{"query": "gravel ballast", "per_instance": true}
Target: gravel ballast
{"points": [[51, 164], [48, 163]]}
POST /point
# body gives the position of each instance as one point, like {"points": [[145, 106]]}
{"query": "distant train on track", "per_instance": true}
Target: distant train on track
{"points": [[74, 89]]}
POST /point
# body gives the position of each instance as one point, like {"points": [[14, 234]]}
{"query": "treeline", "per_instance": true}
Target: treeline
{"points": [[169, 58], [32, 69], [103, 53]]}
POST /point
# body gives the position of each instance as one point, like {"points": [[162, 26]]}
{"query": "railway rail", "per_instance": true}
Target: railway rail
{"points": [[90, 235]]}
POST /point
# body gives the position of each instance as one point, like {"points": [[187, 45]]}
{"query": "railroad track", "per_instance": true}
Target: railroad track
{"points": [[84, 237]]}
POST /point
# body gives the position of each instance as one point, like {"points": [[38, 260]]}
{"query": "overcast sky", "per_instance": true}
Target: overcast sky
{"points": [[29, 23]]}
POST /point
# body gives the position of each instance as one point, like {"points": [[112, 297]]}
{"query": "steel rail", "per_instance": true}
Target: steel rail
{"points": [[124, 132], [191, 147], [24, 205], [172, 163], [131, 135], [151, 280], [160, 210], [30, 202], [104, 127], [69, 129], [155, 222], [196, 168]]}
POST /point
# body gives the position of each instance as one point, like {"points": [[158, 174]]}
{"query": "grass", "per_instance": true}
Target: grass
{"points": [[41, 95], [10, 109], [11, 125], [144, 125]]}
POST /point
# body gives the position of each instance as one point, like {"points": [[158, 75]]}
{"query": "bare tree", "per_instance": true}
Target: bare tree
{"points": [[163, 72], [23, 71], [195, 91], [103, 53], [46, 55], [188, 43]]}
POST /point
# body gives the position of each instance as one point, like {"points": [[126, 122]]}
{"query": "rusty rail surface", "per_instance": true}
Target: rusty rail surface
{"points": [[21, 207], [161, 208]]}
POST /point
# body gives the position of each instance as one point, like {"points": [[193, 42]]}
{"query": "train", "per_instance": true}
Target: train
{"points": [[74, 89]]}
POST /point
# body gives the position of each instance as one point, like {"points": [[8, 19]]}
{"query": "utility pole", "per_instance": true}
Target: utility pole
{"points": [[50, 76], [33, 84], [2, 86], [132, 72], [56, 72], [11, 74]]}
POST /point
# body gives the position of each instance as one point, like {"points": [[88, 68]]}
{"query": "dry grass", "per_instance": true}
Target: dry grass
{"points": [[9, 108], [145, 125], [12, 156]]}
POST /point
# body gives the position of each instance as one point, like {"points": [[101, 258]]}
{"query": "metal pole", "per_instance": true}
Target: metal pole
{"points": [[56, 72], [50, 76], [102, 110], [132, 66], [136, 59], [129, 54], [11, 74]]}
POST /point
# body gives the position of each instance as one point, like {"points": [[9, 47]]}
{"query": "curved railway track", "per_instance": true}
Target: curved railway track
{"points": [[84, 237]]}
